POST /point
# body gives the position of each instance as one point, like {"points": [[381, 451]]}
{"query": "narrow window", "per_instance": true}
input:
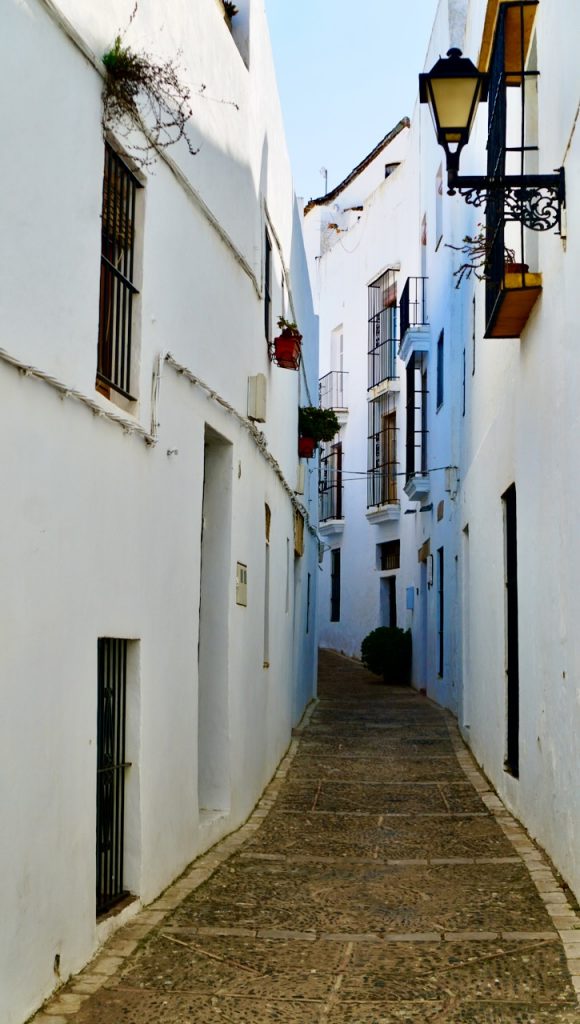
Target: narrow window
{"points": [[440, 610], [463, 386], [268, 288], [473, 339], [268, 519], [335, 585], [389, 554], [512, 761], [115, 353], [308, 586], [424, 431], [438, 207], [111, 770], [440, 369]]}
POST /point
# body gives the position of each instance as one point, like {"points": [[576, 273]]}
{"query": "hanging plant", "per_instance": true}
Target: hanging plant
{"points": [[319, 424], [478, 250], [288, 345], [230, 9], [145, 93]]}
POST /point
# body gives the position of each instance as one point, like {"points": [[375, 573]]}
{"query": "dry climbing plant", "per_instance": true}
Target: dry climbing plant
{"points": [[143, 92], [477, 248]]}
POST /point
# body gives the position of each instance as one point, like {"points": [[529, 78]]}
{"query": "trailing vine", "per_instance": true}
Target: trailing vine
{"points": [[143, 92], [478, 250]]}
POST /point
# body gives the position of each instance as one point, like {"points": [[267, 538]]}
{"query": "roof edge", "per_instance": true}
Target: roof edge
{"points": [[405, 122]]}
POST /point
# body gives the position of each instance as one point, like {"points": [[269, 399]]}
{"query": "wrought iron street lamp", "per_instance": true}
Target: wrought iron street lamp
{"points": [[453, 89]]}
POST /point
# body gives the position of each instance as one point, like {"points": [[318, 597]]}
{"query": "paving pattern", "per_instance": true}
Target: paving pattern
{"points": [[379, 881]]}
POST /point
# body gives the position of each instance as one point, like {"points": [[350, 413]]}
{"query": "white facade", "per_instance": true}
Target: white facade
{"points": [[130, 519], [501, 418]]}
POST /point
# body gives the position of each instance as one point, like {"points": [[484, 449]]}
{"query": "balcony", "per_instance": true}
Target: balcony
{"points": [[383, 334], [330, 513], [510, 301], [415, 331], [332, 391]]}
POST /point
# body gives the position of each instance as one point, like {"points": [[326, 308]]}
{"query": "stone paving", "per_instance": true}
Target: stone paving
{"points": [[379, 881]]}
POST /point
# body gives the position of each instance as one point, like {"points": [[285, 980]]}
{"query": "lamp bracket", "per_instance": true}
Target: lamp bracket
{"points": [[536, 200]]}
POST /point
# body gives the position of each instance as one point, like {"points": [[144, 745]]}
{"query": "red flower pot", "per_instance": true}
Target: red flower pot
{"points": [[287, 351], [306, 447]]}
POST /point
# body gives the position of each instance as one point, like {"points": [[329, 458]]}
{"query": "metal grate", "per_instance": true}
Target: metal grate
{"points": [[331, 390], [416, 448], [382, 463], [383, 329], [117, 276], [413, 304], [330, 487], [111, 767]]}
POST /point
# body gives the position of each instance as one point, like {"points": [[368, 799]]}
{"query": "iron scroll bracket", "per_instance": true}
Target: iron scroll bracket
{"points": [[536, 200]]}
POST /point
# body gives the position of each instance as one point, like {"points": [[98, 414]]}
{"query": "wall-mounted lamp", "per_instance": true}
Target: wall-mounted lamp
{"points": [[453, 89]]}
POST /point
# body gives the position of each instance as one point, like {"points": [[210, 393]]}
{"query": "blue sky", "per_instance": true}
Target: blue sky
{"points": [[347, 72]]}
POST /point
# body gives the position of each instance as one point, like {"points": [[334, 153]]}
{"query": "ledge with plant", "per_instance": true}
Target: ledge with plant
{"points": [[315, 425], [287, 347]]}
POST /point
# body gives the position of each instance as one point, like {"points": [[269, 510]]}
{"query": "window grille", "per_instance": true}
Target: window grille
{"points": [[382, 463], [268, 288], [111, 769], [416, 447], [330, 488], [117, 276], [383, 329], [335, 585], [390, 555]]}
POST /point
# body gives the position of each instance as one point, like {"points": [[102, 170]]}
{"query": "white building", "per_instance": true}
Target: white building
{"points": [[486, 416], [158, 569]]}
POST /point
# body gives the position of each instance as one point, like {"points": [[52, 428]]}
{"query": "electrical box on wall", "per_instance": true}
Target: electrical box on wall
{"points": [[242, 584], [300, 476], [257, 398]]}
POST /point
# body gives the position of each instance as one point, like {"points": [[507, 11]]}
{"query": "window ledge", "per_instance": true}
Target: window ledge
{"points": [[384, 513], [331, 527], [417, 486], [415, 339]]}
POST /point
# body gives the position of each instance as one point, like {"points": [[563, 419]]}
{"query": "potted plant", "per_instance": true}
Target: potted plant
{"points": [[387, 651], [288, 345], [230, 10], [477, 249], [315, 425]]}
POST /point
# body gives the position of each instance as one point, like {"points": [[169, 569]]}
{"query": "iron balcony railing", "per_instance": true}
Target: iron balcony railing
{"points": [[332, 390], [414, 304], [383, 343], [330, 486]]}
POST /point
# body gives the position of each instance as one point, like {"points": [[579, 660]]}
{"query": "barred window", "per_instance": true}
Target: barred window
{"points": [[116, 306]]}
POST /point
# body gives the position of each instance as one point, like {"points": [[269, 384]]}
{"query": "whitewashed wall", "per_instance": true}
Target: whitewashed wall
{"points": [[100, 531]]}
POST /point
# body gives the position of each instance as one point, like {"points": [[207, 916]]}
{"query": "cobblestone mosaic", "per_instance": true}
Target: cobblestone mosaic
{"points": [[374, 885]]}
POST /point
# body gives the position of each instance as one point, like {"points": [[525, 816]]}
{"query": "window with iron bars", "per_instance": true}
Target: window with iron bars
{"points": [[330, 486], [389, 555], [118, 289], [416, 416], [510, 149], [383, 329], [111, 771], [382, 465]]}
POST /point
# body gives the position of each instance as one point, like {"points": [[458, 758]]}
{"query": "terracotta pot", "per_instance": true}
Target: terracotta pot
{"points": [[287, 351], [306, 447], [516, 268]]}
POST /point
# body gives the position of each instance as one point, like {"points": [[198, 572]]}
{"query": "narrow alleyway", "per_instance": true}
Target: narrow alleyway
{"points": [[380, 881]]}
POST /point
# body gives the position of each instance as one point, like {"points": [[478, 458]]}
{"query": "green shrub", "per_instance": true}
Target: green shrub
{"points": [[387, 651]]}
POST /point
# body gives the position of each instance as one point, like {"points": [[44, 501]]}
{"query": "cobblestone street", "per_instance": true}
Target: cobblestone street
{"points": [[379, 881]]}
